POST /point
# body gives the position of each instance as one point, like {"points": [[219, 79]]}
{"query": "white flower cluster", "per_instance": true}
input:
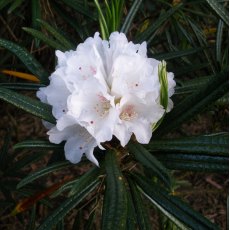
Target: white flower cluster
{"points": [[101, 89]]}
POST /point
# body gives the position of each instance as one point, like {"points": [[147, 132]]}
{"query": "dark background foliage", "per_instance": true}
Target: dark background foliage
{"points": [[192, 36]]}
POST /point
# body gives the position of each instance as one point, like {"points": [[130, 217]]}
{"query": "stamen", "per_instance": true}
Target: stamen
{"points": [[128, 113], [103, 107]]}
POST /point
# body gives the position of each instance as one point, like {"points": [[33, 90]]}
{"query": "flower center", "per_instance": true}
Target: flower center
{"points": [[128, 113], [103, 107]]}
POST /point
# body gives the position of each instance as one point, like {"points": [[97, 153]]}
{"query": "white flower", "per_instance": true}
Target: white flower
{"points": [[103, 89]]}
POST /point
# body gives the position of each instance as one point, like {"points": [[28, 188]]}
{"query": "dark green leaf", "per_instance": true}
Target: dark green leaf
{"points": [[22, 86], [67, 186], [102, 21], [37, 144], [78, 222], [190, 86], [14, 6], [195, 103], [79, 8], [18, 165], [141, 213], [85, 179], [114, 213], [89, 223], [4, 3], [216, 144], [189, 68], [190, 162], [60, 225], [219, 38], [32, 219], [149, 161], [36, 14], [29, 61], [219, 9], [223, 101], [129, 18], [175, 54], [173, 207], [42, 172], [149, 33], [40, 35], [131, 215], [59, 213], [65, 44], [28, 104], [69, 19]]}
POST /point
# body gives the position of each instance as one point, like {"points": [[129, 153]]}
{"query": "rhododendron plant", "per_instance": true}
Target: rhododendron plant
{"points": [[104, 89], [109, 97]]}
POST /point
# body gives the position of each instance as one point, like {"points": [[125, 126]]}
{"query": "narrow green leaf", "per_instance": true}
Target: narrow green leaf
{"points": [[89, 223], [30, 105], [197, 162], [175, 54], [176, 210], [60, 225], [79, 8], [113, 19], [36, 14], [190, 86], [219, 9], [223, 101], [114, 213], [4, 3], [14, 6], [141, 213], [78, 221], [29, 61], [195, 103], [59, 213], [119, 5], [103, 23], [39, 35], [129, 18], [32, 219], [18, 165], [219, 38], [87, 178], [21, 86], [67, 186], [69, 19], [67, 45], [216, 144], [200, 35], [42, 172], [149, 34], [131, 215], [149, 161], [189, 69], [37, 144]]}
